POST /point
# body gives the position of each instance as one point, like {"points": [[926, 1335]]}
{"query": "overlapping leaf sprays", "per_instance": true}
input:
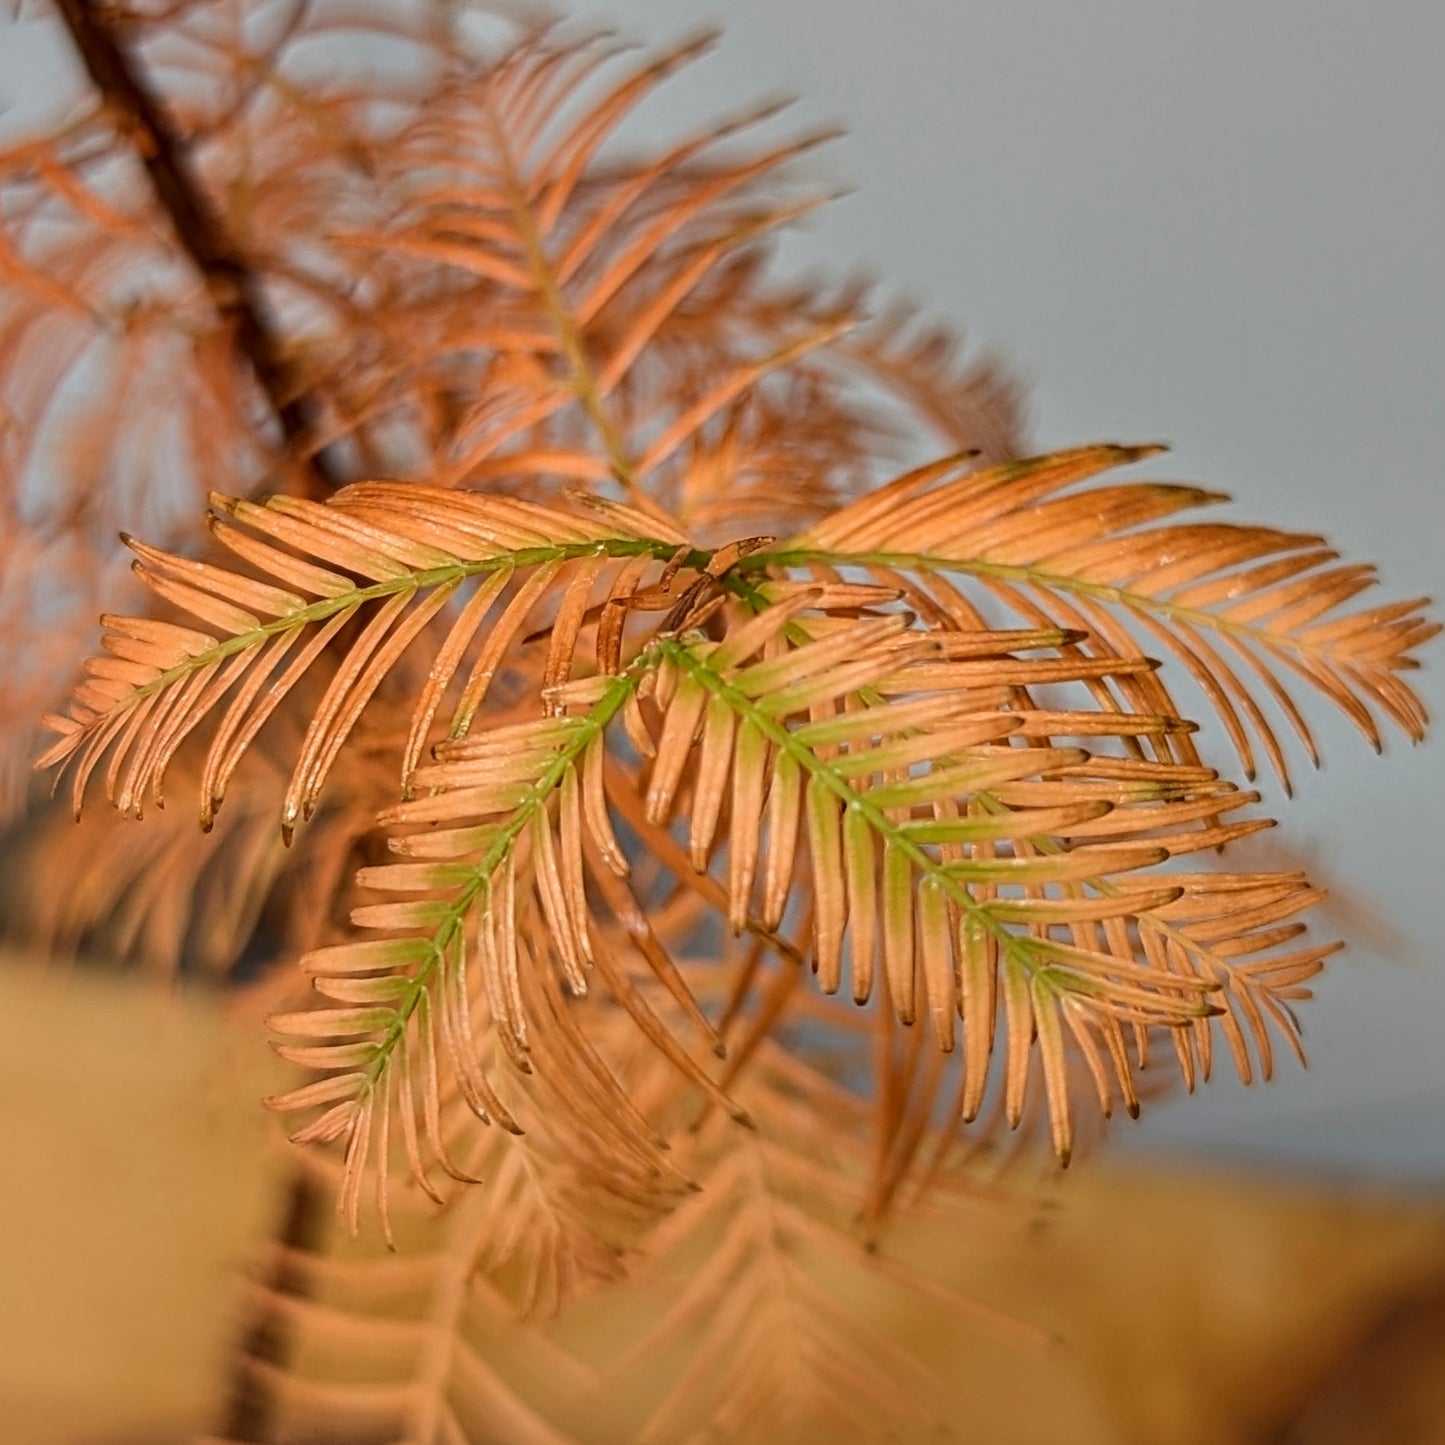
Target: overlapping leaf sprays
{"points": [[874, 755]]}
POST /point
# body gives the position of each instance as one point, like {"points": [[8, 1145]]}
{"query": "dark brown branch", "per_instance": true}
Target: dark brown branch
{"points": [[233, 286], [246, 1415]]}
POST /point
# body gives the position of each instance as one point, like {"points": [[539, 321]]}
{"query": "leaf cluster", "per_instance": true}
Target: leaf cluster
{"points": [[909, 782]]}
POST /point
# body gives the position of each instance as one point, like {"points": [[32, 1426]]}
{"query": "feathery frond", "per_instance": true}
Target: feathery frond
{"points": [[456, 277], [978, 860], [407, 1346], [974, 856], [1222, 598], [384, 560]]}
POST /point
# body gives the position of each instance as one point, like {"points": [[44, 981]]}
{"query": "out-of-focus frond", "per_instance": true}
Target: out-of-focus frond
{"points": [[755, 1342], [421, 1345], [162, 899], [629, 323], [129, 352], [978, 407], [46, 621], [749, 1303], [123, 404], [758, 1311]]}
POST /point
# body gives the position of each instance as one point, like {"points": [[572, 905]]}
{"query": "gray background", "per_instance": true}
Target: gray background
{"points": [[1218, 225]]}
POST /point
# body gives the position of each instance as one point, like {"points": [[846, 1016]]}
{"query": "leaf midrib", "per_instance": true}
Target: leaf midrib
{"points": [[1015, 946], [355, 597], [442, 936], [1259, 635]]}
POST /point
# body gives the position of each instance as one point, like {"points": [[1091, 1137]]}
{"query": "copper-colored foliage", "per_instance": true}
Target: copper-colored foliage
{"points": [[677, 823], [1222, 598], [991, 862], [376, 220]]}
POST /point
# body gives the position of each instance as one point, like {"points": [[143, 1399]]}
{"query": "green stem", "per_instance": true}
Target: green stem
{"points": [[451, 572], [1015, 946], [618, 690], [798, 633]]}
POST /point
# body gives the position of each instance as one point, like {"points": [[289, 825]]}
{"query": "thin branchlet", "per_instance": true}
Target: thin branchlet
{"points": [[231, 281]]}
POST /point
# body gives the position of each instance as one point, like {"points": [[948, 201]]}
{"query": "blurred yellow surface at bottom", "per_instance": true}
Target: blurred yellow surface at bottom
{"points": [[135, 1187]]}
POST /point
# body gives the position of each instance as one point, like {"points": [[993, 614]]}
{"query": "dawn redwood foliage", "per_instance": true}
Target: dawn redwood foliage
{"points": [[695, 782]]}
